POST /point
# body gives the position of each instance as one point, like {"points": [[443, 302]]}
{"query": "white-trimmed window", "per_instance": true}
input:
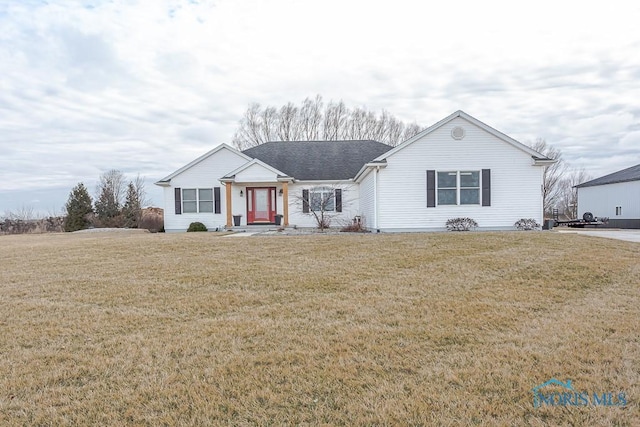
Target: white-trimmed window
{"points": [[459, 188], [322, 199], [197, 200]]}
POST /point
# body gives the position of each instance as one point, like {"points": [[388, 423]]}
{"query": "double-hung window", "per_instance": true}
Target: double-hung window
{"points": [[459, 188], [469, 188], [195, 200], [322, 199]]}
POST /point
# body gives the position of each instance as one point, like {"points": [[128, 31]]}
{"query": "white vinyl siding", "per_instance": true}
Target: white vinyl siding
{"points": [[203, 175], [515, 182], [367, 200], [350, 203]]}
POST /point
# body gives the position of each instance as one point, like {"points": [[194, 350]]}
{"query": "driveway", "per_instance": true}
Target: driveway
{"points": [[627, 235]]}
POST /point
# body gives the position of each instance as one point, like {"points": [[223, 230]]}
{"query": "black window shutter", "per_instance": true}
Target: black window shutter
{"points": [[178, 193], [431, 188], [486, 187], [338, 200], [305, 201], [216, 200]]}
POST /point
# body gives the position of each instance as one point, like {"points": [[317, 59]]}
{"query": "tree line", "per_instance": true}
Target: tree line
{"points": [[314, 120], [117, 204]]}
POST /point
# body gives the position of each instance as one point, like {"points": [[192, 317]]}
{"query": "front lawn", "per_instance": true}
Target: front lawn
{"points": [[394, 329]]}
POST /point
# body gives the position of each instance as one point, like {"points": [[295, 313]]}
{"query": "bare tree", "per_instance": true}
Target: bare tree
{"points": [[24, 213], [324, 203], [568, 200], [552, 176], [335, 116], [411, 130], [269, 123], [140, 190], [288, 123], [311, 118], [312, 121], [249, 134]]}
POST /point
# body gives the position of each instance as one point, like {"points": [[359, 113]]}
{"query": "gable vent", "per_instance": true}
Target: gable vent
{"points": [[457, 133]]}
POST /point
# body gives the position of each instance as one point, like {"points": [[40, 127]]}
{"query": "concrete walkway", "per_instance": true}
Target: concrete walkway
{"points": [[626, 235], [242, 234]]}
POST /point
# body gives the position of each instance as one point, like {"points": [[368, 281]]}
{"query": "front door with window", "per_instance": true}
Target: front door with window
{"points": [[261, 205]]}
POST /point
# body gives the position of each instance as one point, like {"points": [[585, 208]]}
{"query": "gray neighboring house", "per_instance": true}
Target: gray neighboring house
{"points": [[616, 196]]}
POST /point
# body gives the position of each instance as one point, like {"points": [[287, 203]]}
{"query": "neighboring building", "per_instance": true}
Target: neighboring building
{"points": [[616, 196], [459, 167]]}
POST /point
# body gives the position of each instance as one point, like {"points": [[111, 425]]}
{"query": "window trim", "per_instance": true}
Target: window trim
{"points": [[197, 200], [458, 187], [201, 200], [322, 190]]}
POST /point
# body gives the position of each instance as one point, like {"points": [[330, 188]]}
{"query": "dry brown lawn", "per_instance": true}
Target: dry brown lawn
{"points": [[419, 329]]}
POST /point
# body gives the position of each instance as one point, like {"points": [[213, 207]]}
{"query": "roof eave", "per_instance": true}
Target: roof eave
{"points": [[543, 162], [588, 184], [203, 157], [369, 166]]}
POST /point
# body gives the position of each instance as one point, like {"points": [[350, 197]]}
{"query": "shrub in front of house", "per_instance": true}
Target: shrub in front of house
{"points": [[526, 224], [461, 224], [356, 227], [197, 226]]}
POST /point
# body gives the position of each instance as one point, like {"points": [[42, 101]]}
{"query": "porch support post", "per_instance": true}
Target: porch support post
{"points": [[229, 207], [285, 203]]}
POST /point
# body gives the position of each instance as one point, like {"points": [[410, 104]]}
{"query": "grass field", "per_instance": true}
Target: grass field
{"points": [[420, 329]]}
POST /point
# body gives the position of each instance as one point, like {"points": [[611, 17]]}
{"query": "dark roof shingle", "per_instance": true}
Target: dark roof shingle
{"points": [[629, 174], [318, 160]]}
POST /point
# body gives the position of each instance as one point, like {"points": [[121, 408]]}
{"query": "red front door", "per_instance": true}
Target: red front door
{"points": [[261, 205]]}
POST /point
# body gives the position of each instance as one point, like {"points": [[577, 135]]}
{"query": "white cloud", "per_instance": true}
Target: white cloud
{"points": [[148, 85], [631, 140]]}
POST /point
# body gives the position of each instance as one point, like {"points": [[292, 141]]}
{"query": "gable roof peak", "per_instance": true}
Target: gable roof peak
{"points": [[459, 113], [164, 182]]}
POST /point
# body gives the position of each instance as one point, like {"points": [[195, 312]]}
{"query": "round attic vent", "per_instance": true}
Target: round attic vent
{"points": [[457, 132]]}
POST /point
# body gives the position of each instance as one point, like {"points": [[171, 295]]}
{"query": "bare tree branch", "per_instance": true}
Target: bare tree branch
{"points": [[312, 121], [551, 188], [568, 200]]}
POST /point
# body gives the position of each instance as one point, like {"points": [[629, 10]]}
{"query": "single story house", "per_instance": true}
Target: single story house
{"points": [[616, 196], [458, 167]]}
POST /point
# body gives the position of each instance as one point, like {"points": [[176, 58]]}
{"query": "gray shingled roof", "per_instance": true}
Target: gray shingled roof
{"points": [[318, 160], [629, 174]]}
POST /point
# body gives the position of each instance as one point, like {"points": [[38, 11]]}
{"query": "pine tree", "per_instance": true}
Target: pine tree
{"points": [[107, 207], [132, 211], [78, 208]]}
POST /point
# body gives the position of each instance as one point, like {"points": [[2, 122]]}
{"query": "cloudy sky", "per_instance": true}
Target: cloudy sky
{"points": [[145, 86]]}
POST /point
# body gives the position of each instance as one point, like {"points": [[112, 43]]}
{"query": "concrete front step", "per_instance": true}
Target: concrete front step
{"points": [[256, 228]]}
